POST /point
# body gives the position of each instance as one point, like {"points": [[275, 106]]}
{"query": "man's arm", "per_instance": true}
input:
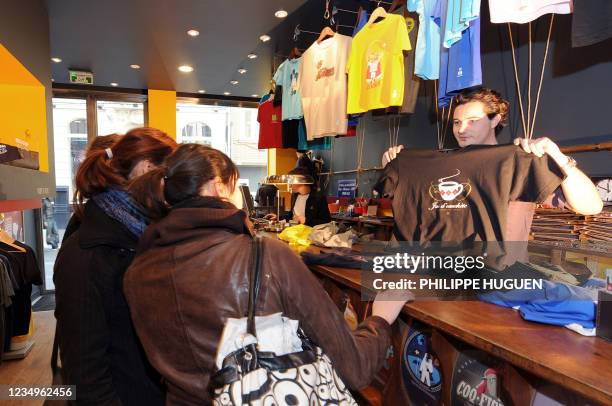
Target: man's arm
{"points": [[580, 193]]}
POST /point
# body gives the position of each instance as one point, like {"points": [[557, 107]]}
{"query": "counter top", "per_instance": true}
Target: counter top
{"points": [[581, 364], [556, 354]]}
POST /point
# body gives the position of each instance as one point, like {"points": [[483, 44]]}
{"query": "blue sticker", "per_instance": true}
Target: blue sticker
{"points": [[421, 369]]}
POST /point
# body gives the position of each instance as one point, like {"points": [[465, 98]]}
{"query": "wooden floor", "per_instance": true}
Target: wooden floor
{"points": [[35, 368]]}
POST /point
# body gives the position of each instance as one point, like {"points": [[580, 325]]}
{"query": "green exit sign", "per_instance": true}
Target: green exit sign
{"points": [[81, 77]]}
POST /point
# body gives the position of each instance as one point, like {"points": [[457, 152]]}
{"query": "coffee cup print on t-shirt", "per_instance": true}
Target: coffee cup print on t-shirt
{"points": [[447, 190]]}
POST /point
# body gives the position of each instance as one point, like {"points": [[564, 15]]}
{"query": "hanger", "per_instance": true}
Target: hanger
{"points": [[396, 4], [10, 241], [295, 53], [325, 32], [380, 12]]}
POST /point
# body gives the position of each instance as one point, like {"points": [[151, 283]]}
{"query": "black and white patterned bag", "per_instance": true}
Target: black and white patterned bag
{"points": [[252, 377]]}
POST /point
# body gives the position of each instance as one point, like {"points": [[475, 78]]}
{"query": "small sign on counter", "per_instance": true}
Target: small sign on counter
{"points": [[347, 188]]}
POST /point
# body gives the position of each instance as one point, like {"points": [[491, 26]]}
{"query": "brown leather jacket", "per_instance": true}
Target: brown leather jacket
{"points": [[192, 275]]}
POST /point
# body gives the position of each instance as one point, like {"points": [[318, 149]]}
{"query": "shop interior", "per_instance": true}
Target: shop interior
{"points": [[222, 74]]}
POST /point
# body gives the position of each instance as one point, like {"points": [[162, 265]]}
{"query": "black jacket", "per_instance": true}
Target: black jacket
{"points": [[99, 350], [317, 211]]}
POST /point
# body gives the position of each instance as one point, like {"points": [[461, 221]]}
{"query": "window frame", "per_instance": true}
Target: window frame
{"points": [[92, 95]]}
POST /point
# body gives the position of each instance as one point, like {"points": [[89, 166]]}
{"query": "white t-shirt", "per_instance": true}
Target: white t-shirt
{"points": [[323, 87], [299, 209], [524, 11]]}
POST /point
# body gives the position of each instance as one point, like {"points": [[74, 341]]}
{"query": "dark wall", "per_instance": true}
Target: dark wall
{"points": [[24, 31], [574, 105]]}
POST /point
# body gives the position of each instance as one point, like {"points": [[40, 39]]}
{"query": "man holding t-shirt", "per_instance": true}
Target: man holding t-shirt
{"points": [[481, 191]]}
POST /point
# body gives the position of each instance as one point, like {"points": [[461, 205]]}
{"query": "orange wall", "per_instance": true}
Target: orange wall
{"points": [[23, 110], [162, 111]]}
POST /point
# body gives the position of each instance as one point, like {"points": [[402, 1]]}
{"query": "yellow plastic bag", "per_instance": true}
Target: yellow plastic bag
{"points": [[296, 235]]}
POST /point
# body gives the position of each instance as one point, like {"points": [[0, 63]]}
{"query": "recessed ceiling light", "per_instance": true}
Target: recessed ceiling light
{"points": [[264, 38], [242, 71], [226, 93], [251, 56], [234, 82], [113, 84], [193, 33], [201, 91], [56, 60], [254, 95], [281, 14], [185, 68], [134, 66]]}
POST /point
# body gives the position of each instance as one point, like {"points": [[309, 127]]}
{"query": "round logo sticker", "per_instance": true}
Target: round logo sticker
{"points": [[421, 370], [475, 383]]}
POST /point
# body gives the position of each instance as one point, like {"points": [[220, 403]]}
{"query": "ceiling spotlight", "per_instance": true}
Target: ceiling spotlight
{"points": [[52, 80], [201, 91], [264, 38], [251, 56], [234, 82], [134, 66], [226, 93], [56, 60], [185, 68], [242, 71], [193, 33], [281, 14], [254, 95], [113, 84]]}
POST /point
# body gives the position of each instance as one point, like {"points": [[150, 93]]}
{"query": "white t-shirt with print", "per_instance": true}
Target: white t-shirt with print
{"points": [[323, 87], [524, 11]]}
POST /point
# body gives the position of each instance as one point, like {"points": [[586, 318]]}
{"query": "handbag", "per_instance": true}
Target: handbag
{"points": [[253, 377]]}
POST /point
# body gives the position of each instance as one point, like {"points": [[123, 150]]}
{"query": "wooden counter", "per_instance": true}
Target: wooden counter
{"points": [[558, 355]]}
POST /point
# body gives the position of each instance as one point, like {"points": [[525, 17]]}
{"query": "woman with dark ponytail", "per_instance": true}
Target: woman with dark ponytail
{"points": [[191, 274], [99, 350]]}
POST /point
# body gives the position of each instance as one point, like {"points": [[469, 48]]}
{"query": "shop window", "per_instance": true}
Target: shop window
{"points": [[78, 126], [233, 130], [119, 117], [197, 132]]}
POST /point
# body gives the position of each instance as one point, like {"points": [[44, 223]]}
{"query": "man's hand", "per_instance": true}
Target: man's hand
{"points": [[391, 154], [541, 146], [580, 192]]}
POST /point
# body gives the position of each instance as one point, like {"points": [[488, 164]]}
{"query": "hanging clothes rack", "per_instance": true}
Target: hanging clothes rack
{"points": [[297, 31]]}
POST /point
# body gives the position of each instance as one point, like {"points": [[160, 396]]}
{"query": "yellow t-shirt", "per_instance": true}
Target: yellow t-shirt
{"points": [[376, 65]]}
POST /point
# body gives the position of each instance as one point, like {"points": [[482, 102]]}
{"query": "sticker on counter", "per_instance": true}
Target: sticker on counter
{"points": [[421, 369], [474, 382]]}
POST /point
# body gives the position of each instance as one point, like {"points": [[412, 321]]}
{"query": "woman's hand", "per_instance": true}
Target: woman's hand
{"points": [[389, 304], [299, 219]]}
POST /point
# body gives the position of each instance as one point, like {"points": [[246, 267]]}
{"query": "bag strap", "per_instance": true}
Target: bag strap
{"points": [[54, 352], [254, 282]]}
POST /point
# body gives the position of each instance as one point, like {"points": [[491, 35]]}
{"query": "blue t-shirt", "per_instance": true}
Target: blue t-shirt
{"points": [[318, 144], [460, 65], [287, 76], [556, 303], [427, 52], [363, 20], [460, 14]]}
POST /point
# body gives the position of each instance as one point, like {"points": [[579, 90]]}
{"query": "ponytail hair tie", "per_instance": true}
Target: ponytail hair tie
{"points": [[109, 153]]}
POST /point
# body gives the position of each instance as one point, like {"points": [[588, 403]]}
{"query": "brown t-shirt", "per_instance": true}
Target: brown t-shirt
{"points": [[520, 215], [463, 195]]}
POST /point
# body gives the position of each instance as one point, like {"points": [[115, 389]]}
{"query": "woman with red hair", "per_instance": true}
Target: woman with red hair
{"points": [[99, 350]]}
